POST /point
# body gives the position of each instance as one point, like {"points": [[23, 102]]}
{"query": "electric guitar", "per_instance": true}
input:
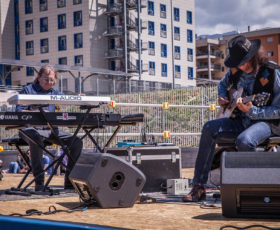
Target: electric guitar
{"points": [[259, 100]]}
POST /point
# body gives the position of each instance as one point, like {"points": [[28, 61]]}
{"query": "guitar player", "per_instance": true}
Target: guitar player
{"points": [[254, 74]]}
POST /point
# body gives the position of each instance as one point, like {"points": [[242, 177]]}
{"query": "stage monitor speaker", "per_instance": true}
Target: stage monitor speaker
{"points": [[110, 181], [250, 184]]}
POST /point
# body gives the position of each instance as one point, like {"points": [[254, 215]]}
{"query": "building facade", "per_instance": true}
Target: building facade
{"points": [[104, 34]]}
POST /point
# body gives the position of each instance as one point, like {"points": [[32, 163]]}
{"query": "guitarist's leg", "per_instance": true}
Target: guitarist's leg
{"points": [[250, 138], [210, 132]]}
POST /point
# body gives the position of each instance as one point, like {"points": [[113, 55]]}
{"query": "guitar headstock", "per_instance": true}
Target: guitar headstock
{"points": [[261, 99]]}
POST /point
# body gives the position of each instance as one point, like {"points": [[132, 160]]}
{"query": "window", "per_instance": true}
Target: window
{"points": [[152, 48], [176, 14], [163, 70], [44, 44], [61, 3], [75, 2], [43, 5], [61, 21], [269, 39], [29, 27], [62, 43], [163, 32], [270, 53], [150, 8], [43, 24], [152, 68], [63, 84], [77, 18], [79, 60], [62, 61], [29, 45], [78, 40], [28, 7], [163, 48], [151, 28], [29, 71], [162, 11], [177, 52], [177, 71], [189, 17], [190, 73], [45, 61], [190, 54], [189, 36], [177, 33]]}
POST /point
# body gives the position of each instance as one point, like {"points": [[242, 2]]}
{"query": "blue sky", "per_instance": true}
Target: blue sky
{"points": [[219, 16]]}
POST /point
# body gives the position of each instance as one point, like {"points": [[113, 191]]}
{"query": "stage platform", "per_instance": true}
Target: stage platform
{"points": [[167, 213]]}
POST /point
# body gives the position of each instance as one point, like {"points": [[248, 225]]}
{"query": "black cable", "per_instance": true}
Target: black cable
{"points": [[52, 210], [249, 226]]}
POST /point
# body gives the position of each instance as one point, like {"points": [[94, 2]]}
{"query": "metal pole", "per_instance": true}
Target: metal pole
{"points": [[172, 44], [139, 39], [125, 38]]}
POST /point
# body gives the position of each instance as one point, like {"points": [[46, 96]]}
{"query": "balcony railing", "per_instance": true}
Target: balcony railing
{"points": [[151, 51], [152, 72], [29, 51], [114, 53], [177, 74], [115, 8], [163, 14], [114, 31], [190, 57], [177, 56], [177, 36], [163, 34]]}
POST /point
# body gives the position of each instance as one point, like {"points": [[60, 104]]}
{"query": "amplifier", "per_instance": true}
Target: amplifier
{"points": [[250, 184], [158, 163]]}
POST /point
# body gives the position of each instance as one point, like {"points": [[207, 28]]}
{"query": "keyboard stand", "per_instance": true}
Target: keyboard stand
{"points": [[57, 162]]}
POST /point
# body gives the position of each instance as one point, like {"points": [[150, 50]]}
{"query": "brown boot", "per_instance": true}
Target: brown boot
{"points": [[196, 194]]}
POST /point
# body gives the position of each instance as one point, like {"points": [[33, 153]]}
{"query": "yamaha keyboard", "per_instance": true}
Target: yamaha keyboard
{"points": [[9, 119], [29, 99]]}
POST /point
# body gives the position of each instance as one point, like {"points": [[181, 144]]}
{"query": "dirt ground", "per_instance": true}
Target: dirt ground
{"points": [[173, 215]]}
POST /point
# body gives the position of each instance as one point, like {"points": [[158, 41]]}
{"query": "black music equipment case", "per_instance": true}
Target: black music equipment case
{"points": [[250, 184], [157, 162]]}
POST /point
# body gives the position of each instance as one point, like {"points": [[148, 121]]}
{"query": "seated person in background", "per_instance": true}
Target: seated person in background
{"points": [[43, 85], [251, 125], [46, 163], [18, 166]]}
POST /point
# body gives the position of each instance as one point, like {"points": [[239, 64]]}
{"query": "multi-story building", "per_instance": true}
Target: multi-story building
{"points": [[210, 53], [105, 34]]}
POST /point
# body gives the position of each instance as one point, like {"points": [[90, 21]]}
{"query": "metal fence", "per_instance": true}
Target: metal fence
{"points": [[188, 111]]}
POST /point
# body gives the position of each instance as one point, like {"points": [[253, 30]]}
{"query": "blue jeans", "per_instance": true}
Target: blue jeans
{"points": [[246, 139], [13, 167], [37, 153]]}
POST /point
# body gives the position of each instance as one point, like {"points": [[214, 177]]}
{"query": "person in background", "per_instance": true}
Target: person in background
{"points": [[252, 125], [43, 85], [18, 166]]}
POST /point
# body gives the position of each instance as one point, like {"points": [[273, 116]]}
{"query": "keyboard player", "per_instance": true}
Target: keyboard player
{"points": [[43, 85]]}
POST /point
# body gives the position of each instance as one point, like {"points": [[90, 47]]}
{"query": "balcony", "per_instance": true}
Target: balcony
{"points": [[213, 67], [29, 51], [163, 34], [213, 54], [177, 56], [131, 4], [152, 72], [151, 51], [177, 36], [114, 9], [177, 74], [114, 54], [135, 69], [114, 31], [163, 14]]}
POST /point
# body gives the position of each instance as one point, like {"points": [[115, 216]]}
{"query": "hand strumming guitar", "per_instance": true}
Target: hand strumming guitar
{"points": [[243, 107]]}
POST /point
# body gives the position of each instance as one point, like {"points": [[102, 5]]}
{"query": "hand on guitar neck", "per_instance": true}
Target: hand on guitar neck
{"points": [[243, 104]]}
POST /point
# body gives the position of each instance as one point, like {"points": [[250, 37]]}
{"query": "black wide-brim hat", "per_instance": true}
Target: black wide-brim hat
{"points": [[241, 50]]}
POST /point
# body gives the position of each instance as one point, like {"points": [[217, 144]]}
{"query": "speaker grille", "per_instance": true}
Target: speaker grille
{"points": [[265, 202]]}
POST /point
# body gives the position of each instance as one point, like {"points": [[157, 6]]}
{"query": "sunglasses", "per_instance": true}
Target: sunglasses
{"points": [[49, 79]]}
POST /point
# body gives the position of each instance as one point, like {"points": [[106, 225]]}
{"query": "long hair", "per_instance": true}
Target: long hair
{"points": [[45, 69], [258, 60]]}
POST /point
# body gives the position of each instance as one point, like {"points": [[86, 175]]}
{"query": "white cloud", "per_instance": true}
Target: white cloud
{"points": [[220, 16]]}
